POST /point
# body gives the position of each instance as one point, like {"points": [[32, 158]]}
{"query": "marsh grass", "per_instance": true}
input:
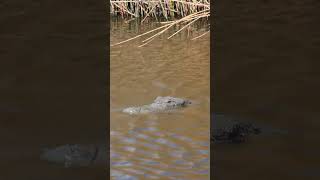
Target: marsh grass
{"points": [[167, 9], [169, 13]]}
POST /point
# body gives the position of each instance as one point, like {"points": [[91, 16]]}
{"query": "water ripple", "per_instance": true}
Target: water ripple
{"points": [[145, 153]]}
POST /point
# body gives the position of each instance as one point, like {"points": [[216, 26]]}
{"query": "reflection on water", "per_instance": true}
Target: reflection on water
{"points": [[152, 152], [159, 146]]}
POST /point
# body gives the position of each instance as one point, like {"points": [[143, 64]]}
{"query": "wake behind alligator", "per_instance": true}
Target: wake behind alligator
{"points": [[226, 129]]}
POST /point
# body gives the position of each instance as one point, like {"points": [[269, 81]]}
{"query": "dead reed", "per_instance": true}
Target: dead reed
{"points": [[174, 12]]}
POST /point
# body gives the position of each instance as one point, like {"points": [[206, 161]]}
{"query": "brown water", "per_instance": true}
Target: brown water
{"points": [[266, 68], [159, 146], [50, 85]]}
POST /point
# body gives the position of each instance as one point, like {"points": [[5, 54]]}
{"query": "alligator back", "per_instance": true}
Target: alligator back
{"points": [[227, 129]]}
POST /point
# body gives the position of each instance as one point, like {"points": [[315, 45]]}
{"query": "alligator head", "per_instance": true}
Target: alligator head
{"points": [[160, 104], [171, 101], [227, 129], [235, 134]]}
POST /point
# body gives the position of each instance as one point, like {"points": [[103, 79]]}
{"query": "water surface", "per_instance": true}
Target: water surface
{"points": [[266, 68], [159, 146]]}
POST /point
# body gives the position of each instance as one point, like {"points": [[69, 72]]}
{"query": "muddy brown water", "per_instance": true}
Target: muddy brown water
{"points": [[267, 68], [159, 146], [50, 81]]}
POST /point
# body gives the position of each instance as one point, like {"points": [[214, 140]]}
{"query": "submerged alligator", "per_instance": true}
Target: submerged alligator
{"points": [[160, 104], [77, 155], [225, 130]]}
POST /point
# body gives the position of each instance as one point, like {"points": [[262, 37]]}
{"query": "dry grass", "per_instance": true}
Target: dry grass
{"points": [[173, 12]]}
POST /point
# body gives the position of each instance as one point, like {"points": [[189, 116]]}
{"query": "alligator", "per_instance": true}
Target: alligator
{"points": [[225, 130], [160, 104], [84, 155], [77, 155]]}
